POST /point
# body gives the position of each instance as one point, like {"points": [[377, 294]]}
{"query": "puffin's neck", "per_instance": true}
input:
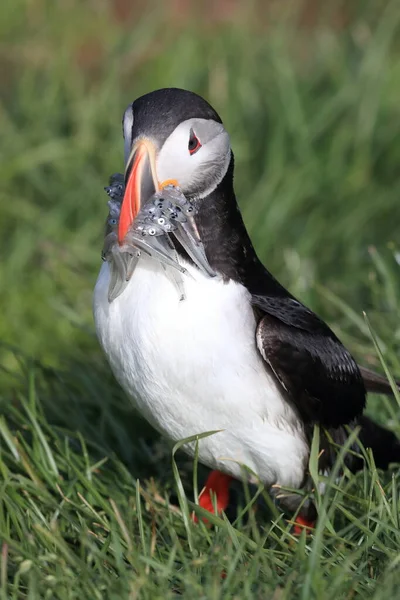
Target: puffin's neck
{"points": [[226, 242]]}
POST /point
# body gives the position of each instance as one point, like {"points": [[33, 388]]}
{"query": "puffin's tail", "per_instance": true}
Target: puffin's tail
{"points": [[383, 443]]}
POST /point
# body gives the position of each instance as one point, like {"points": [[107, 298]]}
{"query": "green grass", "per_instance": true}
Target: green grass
{"points": [[314, 118]]}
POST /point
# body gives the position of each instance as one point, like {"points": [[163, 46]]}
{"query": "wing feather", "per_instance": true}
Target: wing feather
{"points": [[317, 372]]}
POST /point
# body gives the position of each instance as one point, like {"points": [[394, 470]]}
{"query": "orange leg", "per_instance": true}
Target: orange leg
{"points": [[301, 524], [217, 488], [216, 491]]}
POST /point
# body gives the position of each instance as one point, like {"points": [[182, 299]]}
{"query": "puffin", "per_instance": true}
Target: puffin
{"points": [[238, 355]]}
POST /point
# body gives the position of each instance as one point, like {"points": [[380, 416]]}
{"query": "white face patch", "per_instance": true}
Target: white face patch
{"points": [[198, 173]]}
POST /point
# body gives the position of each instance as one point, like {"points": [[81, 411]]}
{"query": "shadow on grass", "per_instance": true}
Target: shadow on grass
{"points": [[83, 398]]}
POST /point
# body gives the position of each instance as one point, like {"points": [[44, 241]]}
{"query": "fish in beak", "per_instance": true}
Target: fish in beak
{"points": [[141, 183], [151, 216]]}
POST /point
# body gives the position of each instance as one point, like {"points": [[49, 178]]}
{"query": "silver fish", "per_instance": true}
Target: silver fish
{"points": [[166, 217], [122, 263]]}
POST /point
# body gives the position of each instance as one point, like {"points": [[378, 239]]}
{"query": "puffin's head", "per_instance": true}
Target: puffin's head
{"points": [[172, 136]]}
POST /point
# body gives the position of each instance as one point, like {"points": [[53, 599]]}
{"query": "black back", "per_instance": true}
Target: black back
{"points": [[317, 373]]}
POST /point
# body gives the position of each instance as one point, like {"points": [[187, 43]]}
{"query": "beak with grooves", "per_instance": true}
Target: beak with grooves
{"points": [[140, 184]]}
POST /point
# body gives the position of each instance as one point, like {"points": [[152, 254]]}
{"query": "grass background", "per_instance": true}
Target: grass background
{"points": [[310, 94]]}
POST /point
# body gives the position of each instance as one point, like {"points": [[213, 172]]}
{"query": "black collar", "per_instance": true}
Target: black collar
{"points": [[227, 244]]}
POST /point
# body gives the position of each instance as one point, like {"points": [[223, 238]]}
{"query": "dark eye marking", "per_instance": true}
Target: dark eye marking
{"points": [[194, 143]]}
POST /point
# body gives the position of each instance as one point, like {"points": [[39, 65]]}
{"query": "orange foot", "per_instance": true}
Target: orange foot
{"points": [[216, 491], [301, 524]]}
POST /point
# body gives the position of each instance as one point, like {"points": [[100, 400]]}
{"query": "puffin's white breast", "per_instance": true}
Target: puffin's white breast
{"points": [[193, 366]]}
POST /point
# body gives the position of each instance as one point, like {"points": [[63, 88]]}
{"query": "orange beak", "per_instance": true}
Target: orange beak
{"points": [[141, 184]]}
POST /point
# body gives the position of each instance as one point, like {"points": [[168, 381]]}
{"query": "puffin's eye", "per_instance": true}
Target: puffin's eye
{"points": [[194, 143]]}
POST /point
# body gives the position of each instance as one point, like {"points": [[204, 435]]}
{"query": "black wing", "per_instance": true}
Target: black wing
{"points": [[319, 375]]}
